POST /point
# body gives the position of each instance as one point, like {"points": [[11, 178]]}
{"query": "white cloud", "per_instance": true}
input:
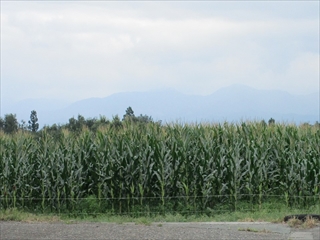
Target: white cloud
{"points": [[302, 73], [102, 48]]}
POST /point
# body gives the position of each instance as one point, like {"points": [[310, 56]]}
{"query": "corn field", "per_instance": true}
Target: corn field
{"points": [[159, 168]]}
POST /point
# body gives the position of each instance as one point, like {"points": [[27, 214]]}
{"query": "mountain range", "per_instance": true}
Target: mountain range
{"points": [[234, 103]]}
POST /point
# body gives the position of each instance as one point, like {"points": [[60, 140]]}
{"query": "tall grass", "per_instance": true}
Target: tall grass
{"points": [[146, 168]]}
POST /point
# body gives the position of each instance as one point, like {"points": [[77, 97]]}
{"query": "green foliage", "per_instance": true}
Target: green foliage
{"points": [[89, 206], [145, 119], [129, 168], [76, 125], [141, 119], [271, 121], [33, 122], [10, 123], [23, 126], [129, 116], [54, 130], [116, 122], [263, 123], [1, 123]]}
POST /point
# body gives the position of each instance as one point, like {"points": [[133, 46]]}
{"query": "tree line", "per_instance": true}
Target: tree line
{"points": [[9, 124]]}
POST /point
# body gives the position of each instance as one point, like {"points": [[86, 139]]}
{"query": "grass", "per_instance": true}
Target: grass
{"points": [[309, 223], [254, 230], [143, 221], [14, 214], [270, 213]]}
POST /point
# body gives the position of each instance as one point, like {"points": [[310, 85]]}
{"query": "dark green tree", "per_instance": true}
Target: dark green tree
{"points": [[72, 125], [1, 123], [263, 123], [54, 130], [144, 119], [81, 121], [33, 122], [75, 125], [10, 123], [129, 115], [271, 121], [23, 125], [90, 123], [103, 120], [116, 123]]}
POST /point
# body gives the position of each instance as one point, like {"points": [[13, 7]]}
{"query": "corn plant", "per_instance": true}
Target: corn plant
{"points": [[153, 168]]}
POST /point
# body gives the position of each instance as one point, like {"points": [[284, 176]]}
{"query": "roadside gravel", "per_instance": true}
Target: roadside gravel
{"points": [[230, 231]]}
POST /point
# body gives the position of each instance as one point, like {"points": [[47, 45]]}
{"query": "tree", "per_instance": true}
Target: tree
{"points": [[72, 125], [76, 125], [54, 130], [103, 120], [33, 122], [144, 119], [10, 123], [271, 121], [81, 122], [1, 123], [129, 115], [90, 123], [263, 123], [116, 123], [23, 125]]}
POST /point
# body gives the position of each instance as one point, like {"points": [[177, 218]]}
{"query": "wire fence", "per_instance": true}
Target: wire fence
{"points": [[173, 197], [152, 206]]}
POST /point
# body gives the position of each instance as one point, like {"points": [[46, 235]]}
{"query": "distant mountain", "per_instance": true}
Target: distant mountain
{"points": [[234, 103]]}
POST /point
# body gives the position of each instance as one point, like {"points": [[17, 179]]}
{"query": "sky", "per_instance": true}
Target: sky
{"points": [[72, 50]]}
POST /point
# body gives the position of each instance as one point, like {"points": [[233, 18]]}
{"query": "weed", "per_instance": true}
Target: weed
{"points": [[308, 223], [254, 230], [143, 221]]}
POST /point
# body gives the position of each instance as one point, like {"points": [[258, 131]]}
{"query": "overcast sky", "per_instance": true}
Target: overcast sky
{"points": [[75, 49]]}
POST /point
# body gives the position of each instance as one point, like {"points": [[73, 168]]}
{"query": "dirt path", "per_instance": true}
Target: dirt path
{"points": [[230, 231]]}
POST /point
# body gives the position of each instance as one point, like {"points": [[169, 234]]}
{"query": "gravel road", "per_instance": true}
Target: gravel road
{"points": [[230, 231]]}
